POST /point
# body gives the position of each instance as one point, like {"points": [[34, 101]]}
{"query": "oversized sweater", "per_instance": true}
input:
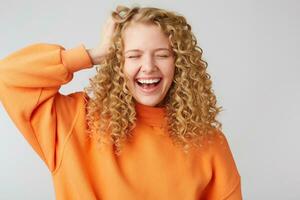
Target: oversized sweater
{"points": [[150, 167]]}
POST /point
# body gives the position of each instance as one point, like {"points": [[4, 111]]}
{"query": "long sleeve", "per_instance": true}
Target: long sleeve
{"points": [[29, 82], [226, 181]]}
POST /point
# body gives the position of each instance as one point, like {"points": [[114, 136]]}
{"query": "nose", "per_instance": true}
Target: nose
{"points": [[148, 64]]}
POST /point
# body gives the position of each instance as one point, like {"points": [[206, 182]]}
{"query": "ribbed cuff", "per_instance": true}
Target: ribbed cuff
{"points": [[76, 58]]}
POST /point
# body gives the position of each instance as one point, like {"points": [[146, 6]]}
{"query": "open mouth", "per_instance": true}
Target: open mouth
{"points": [[148, 85]]}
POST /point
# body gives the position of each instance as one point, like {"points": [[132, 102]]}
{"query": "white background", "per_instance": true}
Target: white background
{"points": [[252, 50]]}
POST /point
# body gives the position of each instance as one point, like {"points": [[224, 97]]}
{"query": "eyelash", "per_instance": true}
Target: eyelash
{"points": [[162, 56], [133, 56]]}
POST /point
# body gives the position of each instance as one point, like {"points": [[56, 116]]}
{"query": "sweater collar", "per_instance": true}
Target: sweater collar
{"points": [[153, 116]]}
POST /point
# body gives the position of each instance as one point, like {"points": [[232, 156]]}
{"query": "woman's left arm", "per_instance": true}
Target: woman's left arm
{"points": [[226, 180]]}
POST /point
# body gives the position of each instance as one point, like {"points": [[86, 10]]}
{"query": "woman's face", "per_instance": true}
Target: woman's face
{"points": [[149, 63]]}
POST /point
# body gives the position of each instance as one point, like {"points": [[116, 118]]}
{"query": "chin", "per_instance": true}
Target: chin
{"points": [[146, 102]]}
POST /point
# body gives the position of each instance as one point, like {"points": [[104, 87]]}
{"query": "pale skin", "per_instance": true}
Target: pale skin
{"points": [[98, 53], [148, 56]]}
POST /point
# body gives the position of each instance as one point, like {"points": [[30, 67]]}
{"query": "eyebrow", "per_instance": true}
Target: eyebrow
{"points": [[138, 50]]}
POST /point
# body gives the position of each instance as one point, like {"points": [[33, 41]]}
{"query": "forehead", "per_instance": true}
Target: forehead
{"points": [[144, 36]]}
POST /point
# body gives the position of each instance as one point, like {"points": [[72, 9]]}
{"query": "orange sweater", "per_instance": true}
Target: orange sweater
{"points": [[150, 166]]}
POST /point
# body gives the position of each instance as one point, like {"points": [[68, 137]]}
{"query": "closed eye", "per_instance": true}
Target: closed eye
{"points": [[133, 56], [163, 56]]}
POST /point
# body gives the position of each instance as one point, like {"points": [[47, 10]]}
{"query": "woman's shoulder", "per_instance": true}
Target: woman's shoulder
{"points": [[70, 105], [217, 142], [214, 144]]}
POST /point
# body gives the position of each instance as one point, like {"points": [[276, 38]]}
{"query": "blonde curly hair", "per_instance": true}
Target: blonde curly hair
{"points": [[190, 102]]}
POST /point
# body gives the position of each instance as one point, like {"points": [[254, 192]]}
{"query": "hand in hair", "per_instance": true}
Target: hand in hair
{"points": [[97, 54]]}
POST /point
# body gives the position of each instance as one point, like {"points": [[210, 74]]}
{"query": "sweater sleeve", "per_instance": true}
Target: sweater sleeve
{"points": [[226, 181], [29, 82]]}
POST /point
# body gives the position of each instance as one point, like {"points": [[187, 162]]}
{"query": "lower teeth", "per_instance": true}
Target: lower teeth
{"points": [[149, 85], [146, 85]]}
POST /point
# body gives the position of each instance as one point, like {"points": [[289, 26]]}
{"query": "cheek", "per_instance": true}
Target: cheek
{"points": [[129, 71], [168, 71]]}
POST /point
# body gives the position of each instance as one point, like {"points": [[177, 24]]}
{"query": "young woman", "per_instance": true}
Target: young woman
{"points": [[146, 126]]}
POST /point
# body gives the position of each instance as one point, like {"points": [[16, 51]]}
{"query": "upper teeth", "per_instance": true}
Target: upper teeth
{"points": [[149, 81]]}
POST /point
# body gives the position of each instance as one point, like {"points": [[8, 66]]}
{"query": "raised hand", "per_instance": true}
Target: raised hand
{"points": [[98, 53]]}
